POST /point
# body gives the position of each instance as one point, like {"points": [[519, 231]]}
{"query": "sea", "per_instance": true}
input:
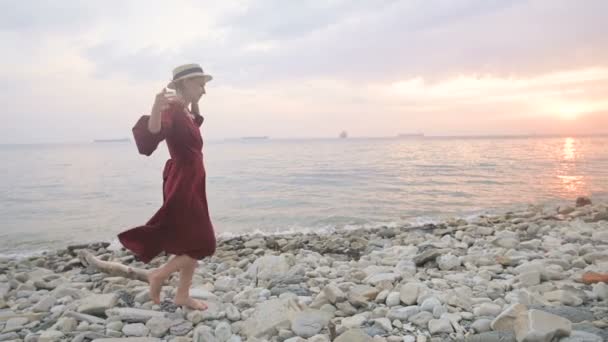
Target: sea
{"points": [[55, 195]]}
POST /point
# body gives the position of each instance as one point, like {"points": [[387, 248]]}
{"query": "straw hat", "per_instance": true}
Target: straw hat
{"points": [[188, 71]]}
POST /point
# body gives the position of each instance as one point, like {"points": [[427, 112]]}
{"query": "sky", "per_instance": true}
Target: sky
{"points": [[75, 70]]}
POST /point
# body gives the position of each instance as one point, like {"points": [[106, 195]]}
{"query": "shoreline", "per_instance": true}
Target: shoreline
{"points": [[472, 214], [455, 280]]}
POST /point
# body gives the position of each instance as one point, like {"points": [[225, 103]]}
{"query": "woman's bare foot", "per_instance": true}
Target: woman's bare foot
{"points": [[156, 284], [191, 303]]}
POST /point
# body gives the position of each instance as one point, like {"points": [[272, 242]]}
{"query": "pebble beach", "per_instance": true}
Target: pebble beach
{"points": [[514, 276]]}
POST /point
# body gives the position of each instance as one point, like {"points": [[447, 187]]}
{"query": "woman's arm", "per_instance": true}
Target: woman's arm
{"points": [[161, 103]]}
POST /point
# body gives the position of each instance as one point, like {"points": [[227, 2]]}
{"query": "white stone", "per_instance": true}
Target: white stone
{"points": [[540, 326], [530, 278], [429, 304], [482, 325], [226, 284], [354, 321], [270, 315], [582, 336], [135, 329], [354, 335], [393, 299], [158, 326], [506, 320], [203, 333], [309, 322], [269, 267], [50, 336], [409, 293], [487, 309], [384, 324], [402, 313], [564, 297], [442, 325], [334, 294], [223, 331], [45, 304], [97, 304], [448, 262], [421, 319], [600, 290]]}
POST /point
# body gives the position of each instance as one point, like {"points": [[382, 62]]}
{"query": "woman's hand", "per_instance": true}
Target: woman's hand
{"points": [[162, 101]]}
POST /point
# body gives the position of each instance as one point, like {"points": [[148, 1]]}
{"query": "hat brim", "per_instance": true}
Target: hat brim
{"points": [[206, 78]]}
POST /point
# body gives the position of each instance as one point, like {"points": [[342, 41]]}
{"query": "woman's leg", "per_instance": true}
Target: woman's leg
{"points": [[182, 296], [157, 277]]}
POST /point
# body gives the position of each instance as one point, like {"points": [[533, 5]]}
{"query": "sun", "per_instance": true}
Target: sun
{"points": [[568, 111]]}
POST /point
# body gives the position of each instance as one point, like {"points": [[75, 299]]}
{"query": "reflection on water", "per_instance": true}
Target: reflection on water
{"points": [[572, 184]]}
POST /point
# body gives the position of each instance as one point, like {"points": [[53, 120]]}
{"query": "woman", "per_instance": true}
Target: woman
{"points": [[182, 225]]}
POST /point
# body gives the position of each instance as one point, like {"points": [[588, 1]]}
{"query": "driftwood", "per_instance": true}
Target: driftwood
{"points": [[112, 268]]}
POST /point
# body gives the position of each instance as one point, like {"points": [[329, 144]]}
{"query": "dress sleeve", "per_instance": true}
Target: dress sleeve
{"points": [[147, 141]]}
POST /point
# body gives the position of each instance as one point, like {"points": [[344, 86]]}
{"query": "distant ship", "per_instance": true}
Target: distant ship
{"points": [[343, 135], [255, 138], [410, 135], [111, 140]]}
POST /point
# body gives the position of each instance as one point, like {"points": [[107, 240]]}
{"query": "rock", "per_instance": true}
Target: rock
{"points": [[203, 333], [574, 315], [15, 324], [133, 315], [600, 290], [402, 313], [506, 239], [539, 326], [12, 336], [421, 319], [582, 336], [223, 331], [378, 278], [270, 315], [45, 304], [50, 336], [442, 325], [384, 324], [487, 309], [128, 339], [135, 329], [409, 293], [530, 278], [269, 267], [448, 262], [98, 304], [334, 294], [506, 320], [232, 313], [116, 326], [393, 299], [482, 325], [84, 317], [354, 321], [492, 336], [361, 295], [226, 284], [582, 201], [309, 323], [429, 304], [195, 316], [354, 335], [564, 297], [181, 328], [427, 256], [66, 324], [158, 326]]}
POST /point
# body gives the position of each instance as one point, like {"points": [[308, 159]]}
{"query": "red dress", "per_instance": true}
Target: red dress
{"points": [[182, 224]]}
